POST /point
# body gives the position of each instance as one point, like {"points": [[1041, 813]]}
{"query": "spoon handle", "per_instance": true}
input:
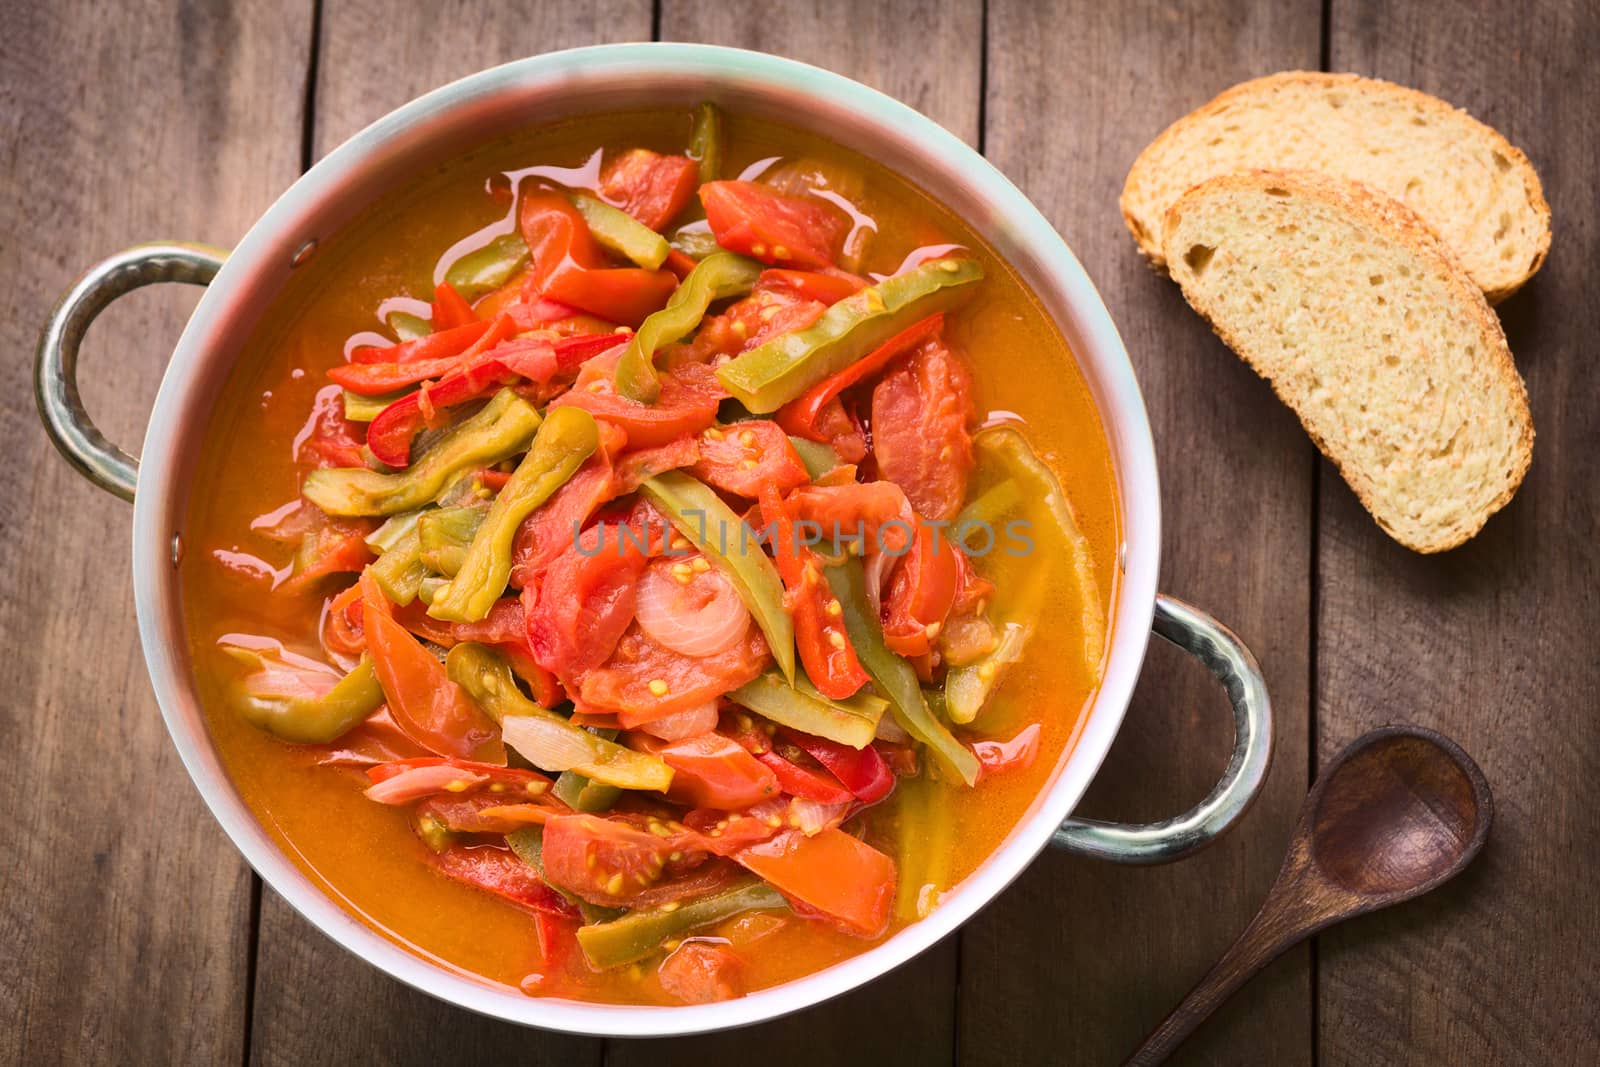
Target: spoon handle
{"points": [[1281, 923]]}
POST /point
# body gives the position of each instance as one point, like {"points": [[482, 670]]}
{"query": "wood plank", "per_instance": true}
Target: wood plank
{"points": [[1078, 960], [123, 908], [927, 55], [1494, 642], [314, 1002]]}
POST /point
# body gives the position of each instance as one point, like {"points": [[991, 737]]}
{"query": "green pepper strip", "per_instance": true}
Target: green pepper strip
{"points": [[734, 548], [993, 504], [409, 327], [893, 676], [619, 232], [310, 720], [695, 240], [501, 430], [400, 571], [818, 458], [772, 374], [582, 794], [640, 933], [567, 438], [714, 278], [445, 534], [1010, 449], [705, 141], [852, 722], [488, 267], [358, 408], [488, 680], [392, 531], [925, 845]]}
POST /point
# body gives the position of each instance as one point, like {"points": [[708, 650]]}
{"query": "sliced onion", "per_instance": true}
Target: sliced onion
{"points": [[546, 743], [421, 782], [812, 816], [694, 612], [691, 722], [891, 731]]}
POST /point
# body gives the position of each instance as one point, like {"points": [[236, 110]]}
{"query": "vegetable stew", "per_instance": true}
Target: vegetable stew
{"points": [[649, 559]]}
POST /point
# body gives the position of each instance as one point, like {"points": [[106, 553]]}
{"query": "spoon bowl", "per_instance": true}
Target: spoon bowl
{"points": [[1398, 812], [1402, 810]]}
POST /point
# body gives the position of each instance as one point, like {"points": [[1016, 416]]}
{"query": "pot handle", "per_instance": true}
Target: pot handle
{"points": [[55, 369], [1226, 657]]}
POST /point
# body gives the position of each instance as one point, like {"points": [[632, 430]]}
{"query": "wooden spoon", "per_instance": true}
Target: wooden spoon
{"points": [[1399, 812]]}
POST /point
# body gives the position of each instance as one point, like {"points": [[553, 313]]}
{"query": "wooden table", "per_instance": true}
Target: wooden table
{"points": [[134, 933]]}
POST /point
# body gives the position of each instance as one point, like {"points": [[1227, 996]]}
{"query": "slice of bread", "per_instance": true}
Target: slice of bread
{"points": [[1365, 326], [1478, 193]]}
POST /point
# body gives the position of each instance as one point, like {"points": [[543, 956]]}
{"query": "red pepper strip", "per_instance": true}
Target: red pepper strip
{"points": [[375, 379], [571, 267], [679, 264], [391, 433], [811, 284], [574, 351], [825, 650], [450, 308], [434, 346], [797, 781], [799, 416], [862, 771]]}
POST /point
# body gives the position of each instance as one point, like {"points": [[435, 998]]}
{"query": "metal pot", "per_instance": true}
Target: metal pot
{"points": [[242, 285]]}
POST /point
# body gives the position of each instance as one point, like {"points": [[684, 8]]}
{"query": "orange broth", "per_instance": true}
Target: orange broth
{"points": [[365, 855]]}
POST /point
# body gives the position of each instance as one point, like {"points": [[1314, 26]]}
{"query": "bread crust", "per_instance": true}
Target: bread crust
{"points": [[1402, 225], [1134, 196]]}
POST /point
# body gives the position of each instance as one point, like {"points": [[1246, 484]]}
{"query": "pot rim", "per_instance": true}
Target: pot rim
{"points": [[1011, 223]]}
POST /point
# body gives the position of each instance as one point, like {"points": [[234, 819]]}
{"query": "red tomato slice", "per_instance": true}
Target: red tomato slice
{"points": [[744, 457], [757, 318], [626, 860], [570, 266], [920, 414], [702, 972], [921, 592], [584, 603], [498, 870], [651, 187], [755, 220], [624, 683], [634, 467], [423, 700], [712, 771], [852, 510], [832, 872], [548, 532], [688, 402]]}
